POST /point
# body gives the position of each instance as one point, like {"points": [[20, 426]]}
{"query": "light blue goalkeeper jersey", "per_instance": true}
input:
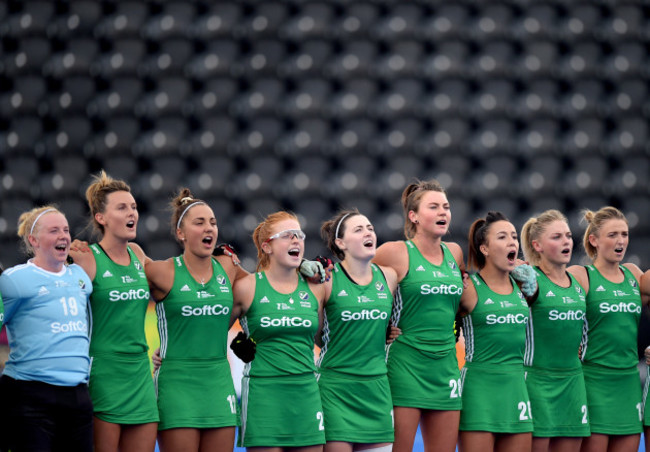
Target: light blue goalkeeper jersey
{"points": [[46, 316]]}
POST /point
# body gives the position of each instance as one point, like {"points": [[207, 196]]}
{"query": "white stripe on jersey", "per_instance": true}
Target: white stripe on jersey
{"points": [[326, 339], [397, 308], [468, 334], [244, 407], [463, 372], [529, 353], [243, 322], [645, 388], [585, 340], [162, 328]]}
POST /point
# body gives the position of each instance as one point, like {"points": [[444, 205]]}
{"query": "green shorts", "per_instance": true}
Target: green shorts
{"points": [[495, 399], [356, 409], [614, 400], [281, 412], [419, 381], [122, 389], [196, 394], [559, 402]]}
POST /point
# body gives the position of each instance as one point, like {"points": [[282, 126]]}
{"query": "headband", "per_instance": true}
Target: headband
{"points": [[31, 231], [338, 226], [178, 225]]}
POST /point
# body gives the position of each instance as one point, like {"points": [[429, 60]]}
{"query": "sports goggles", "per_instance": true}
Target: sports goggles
{"points": [[287, 235]]}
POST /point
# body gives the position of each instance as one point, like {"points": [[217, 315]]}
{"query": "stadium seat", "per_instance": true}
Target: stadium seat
{"points": [[353, 99], [173, 21], [33, 18], [119, 98], [216, 60], [169, 60], [312, 22], [165, 137], [258, 138], [447, 22], [212, 176], [217, 22], [400, 23], [123, 59], [307, 61], [306, 138], [74, 97], [125, 22], [167, 98], [401, 99], [18, 176], [449, 97], [352, 137], [308, 99], [117, 137], [353, 61], [80, 19], [213, 98], [69, 138], [28, 58], [75, 59], [262, 98], [26, 97], [355, 21], [397, 140]]}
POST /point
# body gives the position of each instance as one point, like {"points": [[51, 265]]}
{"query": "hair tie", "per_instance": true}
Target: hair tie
{"points": [[186, 199], [31, 231], [178, 225], [338, 226]]}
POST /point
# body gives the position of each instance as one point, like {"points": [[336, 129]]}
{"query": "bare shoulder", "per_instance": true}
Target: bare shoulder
{"points": [[86, 260], [636, 271], [138, 251], [391, 277], [457, 252], [579, 272], [393, 255]]}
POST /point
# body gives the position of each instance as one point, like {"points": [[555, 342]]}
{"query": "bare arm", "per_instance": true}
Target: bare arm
{"points": [[644, 281], [468, 300], [243, 292], [160, 275], [580, 274], [457, 252], [395, 256], [86, 260], [391, 278], [233, 271]]}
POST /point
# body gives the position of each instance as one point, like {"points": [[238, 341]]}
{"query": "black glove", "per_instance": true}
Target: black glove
{"points": [[243, 347], [68, 260], [224, 248], [324, 261]]}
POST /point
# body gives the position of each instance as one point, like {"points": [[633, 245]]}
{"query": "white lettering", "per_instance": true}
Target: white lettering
{"points": [[366, 314], [620, 307], [266, 322], [569, 315], [132, 294], [71, 326], [217, 309], [492, 319], [443, 289]]}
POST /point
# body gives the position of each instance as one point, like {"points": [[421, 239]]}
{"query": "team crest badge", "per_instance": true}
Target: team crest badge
{"points": [[303, 295]]}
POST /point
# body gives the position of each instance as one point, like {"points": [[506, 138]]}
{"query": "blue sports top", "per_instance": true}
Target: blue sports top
{"points": [[46, 315]]}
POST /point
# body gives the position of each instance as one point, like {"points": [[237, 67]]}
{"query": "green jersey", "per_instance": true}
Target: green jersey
{"points": [[427, 301], [118, 305], [354, 328], [495, 330], [613, 314], [194, 318], [555, 325], [283, 327]]}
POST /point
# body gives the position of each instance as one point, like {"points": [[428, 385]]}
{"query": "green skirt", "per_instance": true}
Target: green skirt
{"points": [[196, 394], [281, 411], [122, 389], [420, 381], [356, 409]]}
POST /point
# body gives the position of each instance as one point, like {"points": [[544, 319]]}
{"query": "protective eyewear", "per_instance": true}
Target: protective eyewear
{"points": [[287, 235]]}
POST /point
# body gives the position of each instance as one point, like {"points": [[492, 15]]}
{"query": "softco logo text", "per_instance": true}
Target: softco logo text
{"points": [[266, 322], [366, 314], [132, 294], [443, 289], [216, 309]]}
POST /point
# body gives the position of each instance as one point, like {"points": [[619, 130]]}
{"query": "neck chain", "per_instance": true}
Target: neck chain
{"points": [[202, 279]]}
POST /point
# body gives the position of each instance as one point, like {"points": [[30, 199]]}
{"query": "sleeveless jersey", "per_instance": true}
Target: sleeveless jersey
{"points": [[119, 304], [354, 328], [193, 319], [495, 331], [613, 314], [47, 324], [555, 325], [283, 327], [426, 302]]}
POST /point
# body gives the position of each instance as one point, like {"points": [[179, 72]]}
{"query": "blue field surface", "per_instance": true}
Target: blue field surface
{"points": [[418, 446]]}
